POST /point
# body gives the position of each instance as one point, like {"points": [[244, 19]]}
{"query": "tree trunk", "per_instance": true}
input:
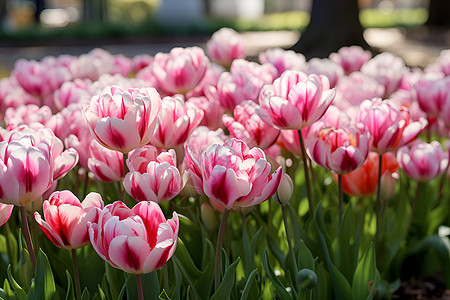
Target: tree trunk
{"points": [[439, 13], [333, 24]]}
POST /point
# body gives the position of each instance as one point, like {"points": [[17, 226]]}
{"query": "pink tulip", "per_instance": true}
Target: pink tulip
{"points": [[200, 139], [176, 121], [211, 78], [283, 59], [122, 65], [326, 67], [141, 61], [212, 111], [351, 58], [422, 161], [26, 170], [137, 240], [243, 82], [442, 63], [105, 164], [13, 95], [432, 92], [5, 212], [389, 125], [298, 103], [225, 46], [249, 127], [355, 88], [387, 69], [62, 160], [234, 175], [179, 71], [71, 92], [66, 218], [340, 150], [26, 114], [152, 177], [123, 120]]}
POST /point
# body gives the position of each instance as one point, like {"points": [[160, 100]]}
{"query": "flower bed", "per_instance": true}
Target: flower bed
{"points": [[193, 175]]}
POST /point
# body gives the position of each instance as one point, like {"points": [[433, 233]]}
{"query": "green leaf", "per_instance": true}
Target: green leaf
{"points": [[342, 245], [70, 293], [85, 295], [251, 286], [19, 292], [124, 288], [26, 272], [305, 258], [100, 294], [43, 286], [224, 290], [341, 287], [7, 292], [188, 278], [115, 279], [279, 287], [185, 258], [441, 246], [150, 286], [365, 274]]}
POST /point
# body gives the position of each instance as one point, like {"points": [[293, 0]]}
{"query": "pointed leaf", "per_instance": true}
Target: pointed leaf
{"points": [[19, 292], [226, 286], [280, 288], [69, 294], [365, 274], [43, 286], [251, 286]]}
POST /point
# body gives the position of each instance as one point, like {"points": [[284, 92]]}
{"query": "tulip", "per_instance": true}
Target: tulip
{"points": [[152, 177], [234, 175], [326, 67], [225, 46], [362, 182], [422, 161], [283, 59], [249, 127], [351, 58], [295, 101], [137, 240], [176, 121], [106, 165], [243, 82], [65, 218], [179, 71], [285, 190], [341, 150], [387, 69], [123, 120], [26, 170], [5, 212], [26, 114], [389, 125], [432, 93]]}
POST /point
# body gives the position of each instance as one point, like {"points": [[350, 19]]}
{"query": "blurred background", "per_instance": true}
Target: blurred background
{"points": [[41, 20]]}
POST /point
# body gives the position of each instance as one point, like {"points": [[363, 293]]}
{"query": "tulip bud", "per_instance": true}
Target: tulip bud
{"points": [[208, 216], [306, 279], [285, 190]]}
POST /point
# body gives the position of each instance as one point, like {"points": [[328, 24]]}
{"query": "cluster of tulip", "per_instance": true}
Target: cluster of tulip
{"points": [[193, 134]]}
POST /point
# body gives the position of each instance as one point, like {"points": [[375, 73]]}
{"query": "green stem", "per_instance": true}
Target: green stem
{"points": [[85, 184], [76, 276], [378, 200], [305, 169], [413, 208], [341, 198], [139, 287], [288, 237], [218, 261], [26, 233], [444, 176]]}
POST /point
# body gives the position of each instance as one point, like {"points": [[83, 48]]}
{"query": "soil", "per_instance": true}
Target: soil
{"points": [[420, 289]]}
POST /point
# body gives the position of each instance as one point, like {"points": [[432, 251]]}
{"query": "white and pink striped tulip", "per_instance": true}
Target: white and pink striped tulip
{"points": [[225, 46], [65, 218], [351, 58], [340, 150], [176, 121], [138, 240], [389, 125], [105, 164], [152, 177], [179, 71], [249, 127], [423, 161], [123, 120], [5, 212], [26, 170], [298, 103], [235, 176]]}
